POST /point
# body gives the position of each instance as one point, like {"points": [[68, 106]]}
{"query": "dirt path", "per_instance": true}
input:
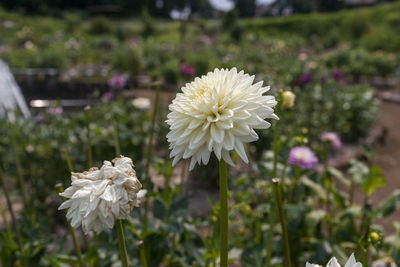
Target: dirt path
{"points": [[387, 156]]}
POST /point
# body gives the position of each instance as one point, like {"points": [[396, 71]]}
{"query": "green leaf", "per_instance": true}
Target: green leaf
{"points": [[339, 175], [359, 171], [374, 181], [388, 205], [314, 217], [179, 205], [314, 186], [159, 209]]}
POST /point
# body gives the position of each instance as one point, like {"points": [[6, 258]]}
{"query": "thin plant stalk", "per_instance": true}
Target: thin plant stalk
{"points": [[285, 236], [149, 155], [68, 160], [18, 165], [60, 189], [272, 210], [89, 139], [121, 242], [142, 253], [270, 237], [3, 214], [223, 199], [118, 223], [275, 147], [11, 210]]}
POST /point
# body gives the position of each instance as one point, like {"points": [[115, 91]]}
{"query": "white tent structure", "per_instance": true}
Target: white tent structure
{"points": [[10, 94]]}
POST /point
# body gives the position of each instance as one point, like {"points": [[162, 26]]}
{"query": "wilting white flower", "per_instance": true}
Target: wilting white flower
{"points": [[141, 103], [97, 197], [351, 262], [218, 113]]}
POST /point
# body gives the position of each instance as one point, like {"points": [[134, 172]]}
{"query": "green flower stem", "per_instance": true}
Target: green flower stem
{"points": [[142, 252], [18, 165], [60, 189], [284, 170], [89, 139], [149, 155], [121, 243], [11, 210], [275, 147], [223, 199], [272, 219], [3, 214], [272, 210], [285, 236], [67, 159]]}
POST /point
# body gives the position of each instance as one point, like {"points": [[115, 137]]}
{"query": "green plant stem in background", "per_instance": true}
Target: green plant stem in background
{"points": [[285, 237], [223, 199], [89, 139], [121, 243], [284, 171], [18, 165], [3, 214], [149, 155], [60, 189], [270, 238], [272, 209], [275, 146], [11, 210], [142, 252], [68, 160]]}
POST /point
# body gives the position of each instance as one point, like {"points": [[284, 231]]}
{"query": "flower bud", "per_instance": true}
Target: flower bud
{"points": [[288, 99], [374, 237]]}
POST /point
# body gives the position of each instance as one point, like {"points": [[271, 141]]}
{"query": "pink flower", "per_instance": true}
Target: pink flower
{"points": [[118, 82], [338, 75], [332, 138], [55, 111], [108, 95], [303, 157], [187, 69]]}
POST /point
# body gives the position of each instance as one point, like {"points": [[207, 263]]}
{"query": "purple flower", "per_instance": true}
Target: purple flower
{"points": [[108, 95], [332, 138], [39, 117], [303, 157], [338, 75], [55, 111], [133, 41], [187, 69], [118, 82], [306, 78]]}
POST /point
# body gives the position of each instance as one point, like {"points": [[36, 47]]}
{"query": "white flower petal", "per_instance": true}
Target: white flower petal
{"points": [[108, 194]]}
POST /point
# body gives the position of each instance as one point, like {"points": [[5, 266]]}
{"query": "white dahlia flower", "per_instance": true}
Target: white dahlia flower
{"points": [[351, 262], [141, 103], [218, 113], [97, 197]]}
